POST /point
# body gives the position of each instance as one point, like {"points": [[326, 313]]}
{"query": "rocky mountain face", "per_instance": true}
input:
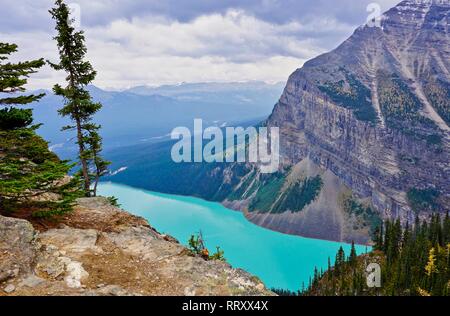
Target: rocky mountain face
{"points": [[375, 114], [99, 249]]}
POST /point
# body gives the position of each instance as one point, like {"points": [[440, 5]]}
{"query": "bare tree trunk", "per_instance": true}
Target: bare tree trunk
{"points": [[97, 173], [94, 191], [84, 165]]}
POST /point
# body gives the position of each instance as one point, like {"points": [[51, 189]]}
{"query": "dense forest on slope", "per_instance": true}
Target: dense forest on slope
{"points": [[414, 261]]}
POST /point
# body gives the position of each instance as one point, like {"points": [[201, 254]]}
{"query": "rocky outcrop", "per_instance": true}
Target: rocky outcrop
{"points": [[100, 250]]}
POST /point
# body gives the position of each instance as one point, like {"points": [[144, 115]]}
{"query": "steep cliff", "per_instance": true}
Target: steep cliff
{"points": [[375, 112], [99, 249], [364, 132]]}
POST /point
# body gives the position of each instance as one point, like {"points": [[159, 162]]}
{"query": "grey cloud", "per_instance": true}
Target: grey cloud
{"points": [[32, 14], [168, 36]]}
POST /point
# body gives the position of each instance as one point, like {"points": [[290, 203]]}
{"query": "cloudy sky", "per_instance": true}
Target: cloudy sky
{"points": [[158, 42]]}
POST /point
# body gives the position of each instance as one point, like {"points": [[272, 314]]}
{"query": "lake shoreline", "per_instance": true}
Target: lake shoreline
{"points": [[231, 207], [280, 260]]}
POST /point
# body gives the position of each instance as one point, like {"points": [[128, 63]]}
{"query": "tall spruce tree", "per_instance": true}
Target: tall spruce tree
{"points": [[446, 229], [29, 171], [78, 106], [353, 256], [13, 77], [340, 260], [94, 142]]}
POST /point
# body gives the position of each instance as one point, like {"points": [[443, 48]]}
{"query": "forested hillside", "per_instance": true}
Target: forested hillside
{"points": [[414, 261]]}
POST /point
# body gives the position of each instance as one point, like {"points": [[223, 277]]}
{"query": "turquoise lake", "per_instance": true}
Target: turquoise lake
{"points": [[280, 260]]}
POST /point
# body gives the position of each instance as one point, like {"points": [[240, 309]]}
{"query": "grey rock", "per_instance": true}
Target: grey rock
{"points": [[9, 288], [31, 281], [369, 157], [130, 258], [113, 290], [17, 246]]}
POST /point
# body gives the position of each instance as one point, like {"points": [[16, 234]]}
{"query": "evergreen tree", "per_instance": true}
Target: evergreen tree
{"points": [[446, 229], [13, 77], [316, 277], [353, 256], [78, 106], [28, 170], [94, 141], [378, 238], [329, 266], [340, 260]]}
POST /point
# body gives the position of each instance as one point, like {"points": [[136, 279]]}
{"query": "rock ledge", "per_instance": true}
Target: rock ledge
{"points": [[99, 249]]}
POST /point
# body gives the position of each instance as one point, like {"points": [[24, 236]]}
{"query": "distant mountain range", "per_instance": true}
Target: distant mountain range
{"points": [[148, 114], [235, 92]]}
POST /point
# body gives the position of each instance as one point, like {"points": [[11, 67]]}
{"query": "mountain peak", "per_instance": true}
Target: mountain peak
{"points": [[375, 111], [417, 12]]}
